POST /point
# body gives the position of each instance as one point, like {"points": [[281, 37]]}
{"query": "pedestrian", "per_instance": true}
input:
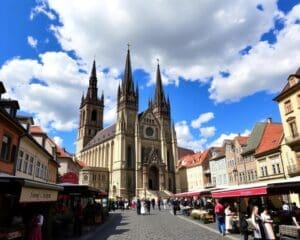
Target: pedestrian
{"points": [[228, 219], [175, 206], [148, 206], [138, 206], [158, 203], [244, 226], [36, 227], [153, 203], [219, 212], [257, 223], [267, 224], [143, 207]]}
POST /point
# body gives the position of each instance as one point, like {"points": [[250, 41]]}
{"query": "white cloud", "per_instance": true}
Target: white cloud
{"points": [[41, 8], [51, 89], [207, 132], [219, 141], [58, 140], [193, 51], [32, 41], [265, 68], [203, 118]]}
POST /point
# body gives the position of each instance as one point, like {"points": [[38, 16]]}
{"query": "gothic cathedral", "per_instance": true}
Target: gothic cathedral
{"points": [[135, 157]]}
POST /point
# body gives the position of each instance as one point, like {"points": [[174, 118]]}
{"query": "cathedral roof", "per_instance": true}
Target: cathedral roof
{"points": [[102, 136]]}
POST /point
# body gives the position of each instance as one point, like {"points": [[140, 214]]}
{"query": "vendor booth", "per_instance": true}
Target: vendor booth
{"points": [[21, 199]]}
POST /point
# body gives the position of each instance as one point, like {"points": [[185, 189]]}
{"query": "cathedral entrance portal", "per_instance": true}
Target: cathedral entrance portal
{"points": [[153, 179]]}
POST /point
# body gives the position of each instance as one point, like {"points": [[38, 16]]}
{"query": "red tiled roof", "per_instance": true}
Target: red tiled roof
{"points": [[242, 140], [36, 129], [271, 138], [194, 159]]}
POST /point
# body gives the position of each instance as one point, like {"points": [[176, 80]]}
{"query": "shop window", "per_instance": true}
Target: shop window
{"points": [[5, 147], [30, 167], [288, 107], [20, 160], [25, 164]]}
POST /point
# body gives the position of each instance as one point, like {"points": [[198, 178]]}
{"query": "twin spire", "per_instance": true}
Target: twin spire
{"points": [[128, 94]]}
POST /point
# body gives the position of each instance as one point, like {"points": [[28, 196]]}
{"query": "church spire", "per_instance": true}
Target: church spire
{"points": [[160, 103], [159, 97], [127, 95], [92, 89], [127, 85]]}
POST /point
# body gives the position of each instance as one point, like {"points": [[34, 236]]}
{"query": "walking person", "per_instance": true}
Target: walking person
{"points": [[138, 207], [148, 206], [175, 206], [153, 203], [244, 226], [267, 224], [143, 207], [257, 223], [219, 212], [36, 228], [228, 219], [158, 203]]}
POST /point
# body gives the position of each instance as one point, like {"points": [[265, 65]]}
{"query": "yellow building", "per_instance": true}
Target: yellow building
{"points": [[289, 107]]}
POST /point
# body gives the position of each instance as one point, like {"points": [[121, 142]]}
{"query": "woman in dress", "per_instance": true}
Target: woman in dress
{"points": [[267, 223], [257, 223], [143, 209], [228, 219]]}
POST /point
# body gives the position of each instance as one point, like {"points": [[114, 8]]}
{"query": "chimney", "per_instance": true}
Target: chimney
{"points": [[269, 120]]}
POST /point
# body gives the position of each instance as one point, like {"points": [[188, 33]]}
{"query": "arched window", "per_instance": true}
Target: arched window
{"points": [[94, 115], [83, 117], [129, 156]]}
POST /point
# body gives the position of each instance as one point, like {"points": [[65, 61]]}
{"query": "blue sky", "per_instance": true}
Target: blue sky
{"points": [[222, 64]]}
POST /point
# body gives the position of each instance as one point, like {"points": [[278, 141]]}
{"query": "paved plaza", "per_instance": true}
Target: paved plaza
{"points": [[158, 225]]}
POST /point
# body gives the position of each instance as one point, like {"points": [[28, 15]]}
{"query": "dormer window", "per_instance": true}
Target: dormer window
{"points": [[293, 81]]}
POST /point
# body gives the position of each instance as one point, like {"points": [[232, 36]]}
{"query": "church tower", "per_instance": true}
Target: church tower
{"points": [[123, 175], [91, 113]]}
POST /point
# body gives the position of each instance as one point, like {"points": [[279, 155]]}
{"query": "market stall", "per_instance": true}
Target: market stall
{"points": [[20, 200]]}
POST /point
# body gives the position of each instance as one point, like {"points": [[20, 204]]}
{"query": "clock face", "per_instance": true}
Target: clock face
{"points": [[149, 131]]}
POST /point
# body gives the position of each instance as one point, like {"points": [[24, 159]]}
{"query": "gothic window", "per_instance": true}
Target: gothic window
{"points": [[83, 117], [129, 156], [94, 115]]}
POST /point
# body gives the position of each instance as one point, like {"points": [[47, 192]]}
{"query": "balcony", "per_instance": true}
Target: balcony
{"points": [[293, 142], [293, 169]]}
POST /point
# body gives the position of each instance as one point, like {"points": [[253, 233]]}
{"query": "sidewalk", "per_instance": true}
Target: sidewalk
{"points": [[210, 227]]}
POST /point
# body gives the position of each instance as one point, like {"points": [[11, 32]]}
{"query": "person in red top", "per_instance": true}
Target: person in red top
{"points": [[220, 218]]}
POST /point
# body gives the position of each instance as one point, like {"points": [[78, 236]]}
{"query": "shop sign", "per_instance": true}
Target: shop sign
{"points": [[37, 195]]}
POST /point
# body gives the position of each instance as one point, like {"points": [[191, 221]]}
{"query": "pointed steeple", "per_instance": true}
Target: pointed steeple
{"points": [[127, 84], [160, 103], [92, 89], [159, 97], [127, 94]]}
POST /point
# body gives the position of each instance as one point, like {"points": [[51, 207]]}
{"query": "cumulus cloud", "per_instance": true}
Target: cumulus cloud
{"points": [[265, 68], [219, 141], [58, 140], [46, 88], [185, 137], [185, 49], [32, 41], [203, 118], [207, 132], [41, 8]]}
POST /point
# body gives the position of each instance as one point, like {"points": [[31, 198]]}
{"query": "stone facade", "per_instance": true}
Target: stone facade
{"points": [[139, 151]]}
